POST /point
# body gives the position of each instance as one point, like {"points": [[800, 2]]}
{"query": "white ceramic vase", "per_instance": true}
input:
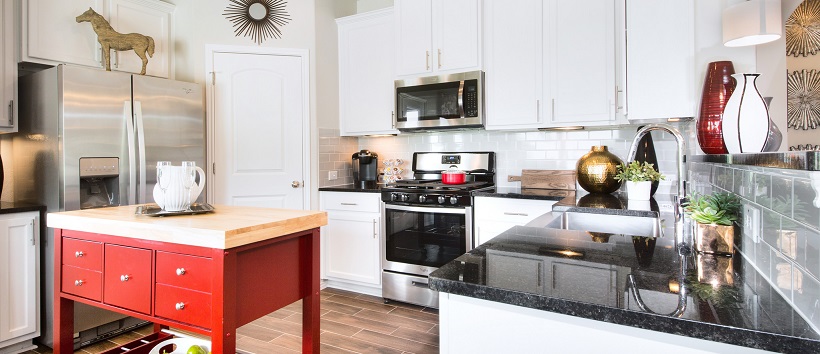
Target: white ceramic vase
{"points": [[746, 124], [638, 190], [176, 197]]}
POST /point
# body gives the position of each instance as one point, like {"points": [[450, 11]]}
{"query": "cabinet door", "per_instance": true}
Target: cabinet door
{"points": [[583, 52], [127, 278], [660, 59], [514, 62], [414, 36], [456, 40], [485, 230], [19, 277], [51, 34], [149, 18], [8, 69], [365, 78], [352, 247]]}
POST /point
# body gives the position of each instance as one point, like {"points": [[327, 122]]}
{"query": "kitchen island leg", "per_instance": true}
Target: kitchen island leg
{"points": [[310, 303]]}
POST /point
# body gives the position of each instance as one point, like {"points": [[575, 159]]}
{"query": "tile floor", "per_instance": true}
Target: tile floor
{"points": [[350, 323]]}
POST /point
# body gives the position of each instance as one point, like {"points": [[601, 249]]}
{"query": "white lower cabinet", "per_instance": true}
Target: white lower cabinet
{"points": [[495, 215], [351, 239], [19, 281], [469, 325]]}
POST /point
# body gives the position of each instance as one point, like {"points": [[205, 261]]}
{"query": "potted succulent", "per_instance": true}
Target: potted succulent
{"points": [[715, 216], [638, 177]]}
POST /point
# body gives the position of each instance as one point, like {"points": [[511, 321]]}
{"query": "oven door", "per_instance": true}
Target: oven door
{"points": [[418, 240]]}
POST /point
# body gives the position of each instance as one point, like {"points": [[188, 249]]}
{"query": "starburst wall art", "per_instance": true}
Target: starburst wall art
{"points": [[258, 19]]}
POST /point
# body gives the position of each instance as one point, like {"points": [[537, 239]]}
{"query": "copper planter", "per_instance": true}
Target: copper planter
{"points": [[714, 238]]}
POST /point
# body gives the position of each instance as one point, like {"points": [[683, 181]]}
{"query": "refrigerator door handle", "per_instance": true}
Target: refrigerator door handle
{"points": [[141, 148], [128, 117]]}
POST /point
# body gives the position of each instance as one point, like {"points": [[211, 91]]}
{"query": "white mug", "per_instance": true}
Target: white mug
{"points": [[175, 198]]}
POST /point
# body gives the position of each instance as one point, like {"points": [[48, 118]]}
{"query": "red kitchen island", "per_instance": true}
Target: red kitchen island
{"points": [[206, 273]]}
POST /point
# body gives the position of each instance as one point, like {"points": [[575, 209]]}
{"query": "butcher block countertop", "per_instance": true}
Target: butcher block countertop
{"points": [[226, 227]]}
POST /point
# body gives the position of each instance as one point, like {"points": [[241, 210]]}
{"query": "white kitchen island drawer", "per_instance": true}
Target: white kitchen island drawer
{"points": [[351, 201], [495, 215]]}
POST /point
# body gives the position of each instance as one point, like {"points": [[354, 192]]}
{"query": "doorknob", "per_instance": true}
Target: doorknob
{"points": [[296, 184]]}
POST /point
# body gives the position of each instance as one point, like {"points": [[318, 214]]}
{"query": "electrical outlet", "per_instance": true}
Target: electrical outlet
{"points": [[331, 175], [751, 222]]}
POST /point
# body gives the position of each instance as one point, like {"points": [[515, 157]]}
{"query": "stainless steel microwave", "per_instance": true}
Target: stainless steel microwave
{"points": [[453, 101]]}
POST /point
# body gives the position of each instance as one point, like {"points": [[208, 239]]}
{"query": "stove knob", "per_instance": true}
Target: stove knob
{"points": [[394, 197], [422, 198], [453, 200], [441, 199], [404, 197]]}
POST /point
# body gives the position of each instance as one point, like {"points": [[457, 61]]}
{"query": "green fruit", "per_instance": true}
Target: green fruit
{"points": [[195, 349]]}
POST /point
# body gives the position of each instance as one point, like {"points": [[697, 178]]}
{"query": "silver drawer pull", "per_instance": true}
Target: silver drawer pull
{"points": [[180, 271], [349, 204], [79, 254], [124, 277], [516, 214], [179, 305], [419, 284], [78, 283]]}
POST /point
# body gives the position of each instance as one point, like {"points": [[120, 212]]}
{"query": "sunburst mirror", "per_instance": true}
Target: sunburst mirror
{"points": [[258, 19], [803, 92], [803, 29]]}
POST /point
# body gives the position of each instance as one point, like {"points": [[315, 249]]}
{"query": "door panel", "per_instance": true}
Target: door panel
{"points": [[258, 125], [127, 278], [173, 122]]}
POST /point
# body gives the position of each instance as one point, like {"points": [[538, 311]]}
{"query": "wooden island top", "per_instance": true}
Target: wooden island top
{"points": [[226, 227]]}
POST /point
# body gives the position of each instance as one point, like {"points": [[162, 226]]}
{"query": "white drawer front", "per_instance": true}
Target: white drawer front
{"points": [[351, 201], [519, 211]]}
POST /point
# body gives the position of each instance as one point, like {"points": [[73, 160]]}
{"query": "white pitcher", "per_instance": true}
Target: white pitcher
{"points": [[176, 197]]}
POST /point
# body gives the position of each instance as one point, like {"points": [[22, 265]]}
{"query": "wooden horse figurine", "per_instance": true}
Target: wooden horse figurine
{"points": [[111, 39]]}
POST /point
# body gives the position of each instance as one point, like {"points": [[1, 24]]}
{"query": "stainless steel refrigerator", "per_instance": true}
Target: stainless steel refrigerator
{"points": [[90, 138]]}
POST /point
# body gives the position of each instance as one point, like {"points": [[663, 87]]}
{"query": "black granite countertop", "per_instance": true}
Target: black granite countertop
{"points": [[20, 207], [725, 298], [525, 193], [352, 188]]}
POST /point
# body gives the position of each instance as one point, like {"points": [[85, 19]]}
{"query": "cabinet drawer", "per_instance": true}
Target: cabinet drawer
{"points": [[519, 211], [184, 271], [82, 282], [128, 278], [352, 201], [82, 254], [183, 305]]}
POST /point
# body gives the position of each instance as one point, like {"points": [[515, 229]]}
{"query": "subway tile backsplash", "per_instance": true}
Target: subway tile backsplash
{"points": [[788, 252]]}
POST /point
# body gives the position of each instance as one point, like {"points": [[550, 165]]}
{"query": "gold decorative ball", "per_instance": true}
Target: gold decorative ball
{"points": [[596, 170]]}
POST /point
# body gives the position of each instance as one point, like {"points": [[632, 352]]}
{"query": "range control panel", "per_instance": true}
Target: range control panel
{"points": [[99, 166]]}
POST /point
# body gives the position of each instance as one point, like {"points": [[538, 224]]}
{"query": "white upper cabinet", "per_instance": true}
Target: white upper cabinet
{"points": [[660, 59], [8, 69], [546, 68], [51, 35], [365, 77], [437, 36], [150, 18]]}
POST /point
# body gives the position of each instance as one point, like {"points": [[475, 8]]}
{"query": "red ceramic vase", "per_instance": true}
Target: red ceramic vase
{"points": [[717, 88]]}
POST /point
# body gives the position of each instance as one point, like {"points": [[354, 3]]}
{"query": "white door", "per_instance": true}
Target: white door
{"points": [[18, 277], [260, 109]]}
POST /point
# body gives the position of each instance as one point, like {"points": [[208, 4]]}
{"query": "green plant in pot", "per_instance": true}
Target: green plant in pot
{"points": [[638, 177], [715, 216]]}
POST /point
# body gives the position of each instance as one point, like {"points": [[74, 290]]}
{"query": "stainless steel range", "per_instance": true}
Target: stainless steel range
{"points": [[429, 223]]}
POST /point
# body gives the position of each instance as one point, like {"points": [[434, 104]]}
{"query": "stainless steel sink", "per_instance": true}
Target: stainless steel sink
{"points": [[628, 225]]}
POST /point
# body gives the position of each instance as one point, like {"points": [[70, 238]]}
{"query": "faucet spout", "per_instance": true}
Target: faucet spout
{"points": [[681, 144]]}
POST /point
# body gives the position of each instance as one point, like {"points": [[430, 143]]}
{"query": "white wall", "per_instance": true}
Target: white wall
{"points": [[370, 5]]}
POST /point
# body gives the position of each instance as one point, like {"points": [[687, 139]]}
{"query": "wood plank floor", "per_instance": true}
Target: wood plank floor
{"points": [[350, 323]]}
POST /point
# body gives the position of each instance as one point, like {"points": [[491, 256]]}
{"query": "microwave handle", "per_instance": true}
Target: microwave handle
{"points": [[461, 98]]}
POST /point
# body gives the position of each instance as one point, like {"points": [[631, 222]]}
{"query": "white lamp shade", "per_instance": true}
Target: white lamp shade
{"points": [[752, 22]]}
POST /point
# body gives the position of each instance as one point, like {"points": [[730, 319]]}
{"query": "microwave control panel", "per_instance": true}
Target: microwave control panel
{"points": [[471, 98]]}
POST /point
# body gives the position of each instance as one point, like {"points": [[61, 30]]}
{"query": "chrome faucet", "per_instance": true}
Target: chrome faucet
{"points": [[681, 152]]}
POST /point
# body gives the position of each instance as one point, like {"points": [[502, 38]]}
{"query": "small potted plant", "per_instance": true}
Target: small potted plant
{"points": [[715, 216], [638, 177]]}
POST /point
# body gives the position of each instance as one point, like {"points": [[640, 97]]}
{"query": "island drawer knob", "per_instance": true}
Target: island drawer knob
{"points": [[79, 254], [124, 277], [78, 283], [180, 305], [180, 271]]}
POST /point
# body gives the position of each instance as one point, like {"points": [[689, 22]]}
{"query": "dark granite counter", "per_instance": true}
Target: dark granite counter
{"points": [[658, 286], [351, 188], [525, 193], [19, 207]]}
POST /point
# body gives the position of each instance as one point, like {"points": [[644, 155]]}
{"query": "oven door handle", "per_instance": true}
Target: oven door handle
{"points": [[426, 209], [419, 284]]}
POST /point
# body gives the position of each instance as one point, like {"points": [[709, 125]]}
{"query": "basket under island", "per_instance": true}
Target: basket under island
{"points": [[206, 273]]}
